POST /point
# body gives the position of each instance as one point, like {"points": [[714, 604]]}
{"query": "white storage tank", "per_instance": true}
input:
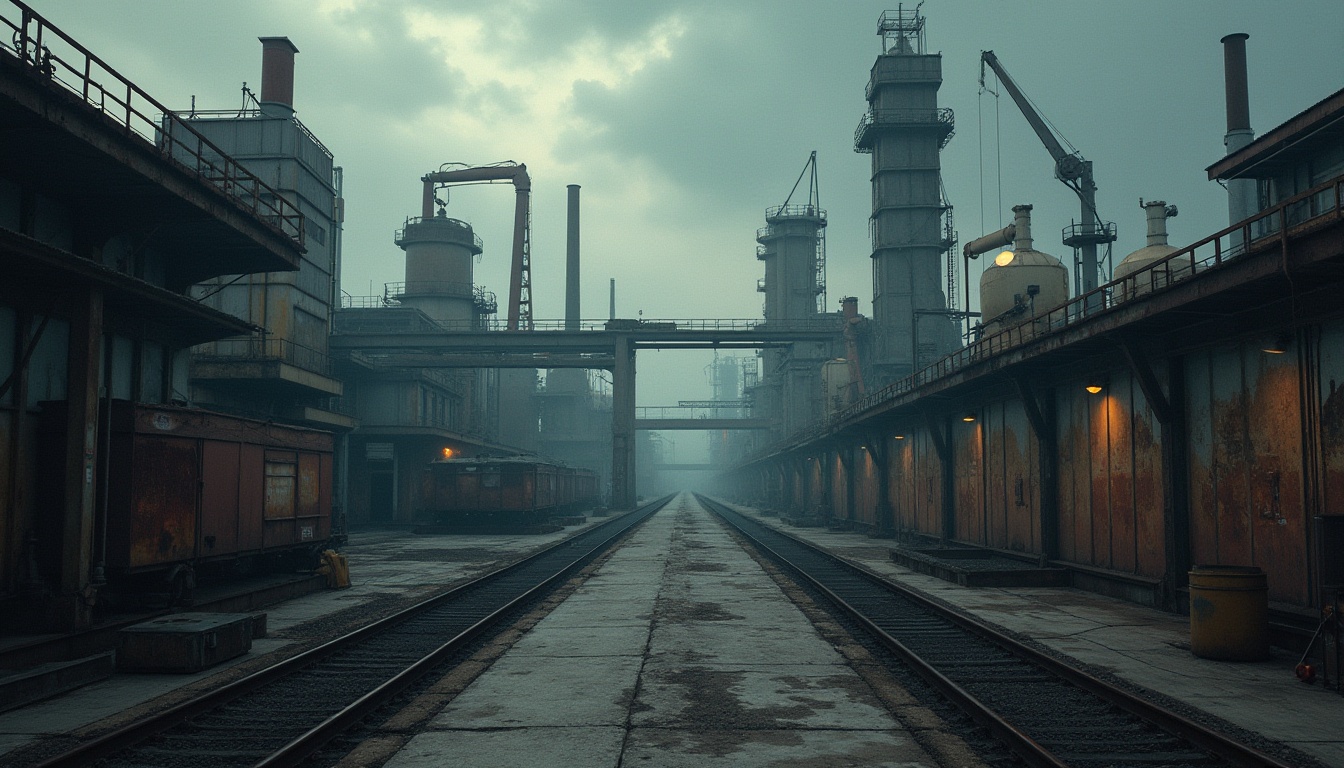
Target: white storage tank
{"points": [[1022, 282], [1156, 250]]}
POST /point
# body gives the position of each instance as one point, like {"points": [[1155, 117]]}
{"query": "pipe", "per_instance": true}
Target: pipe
{"points": [[1241, 193], [572, 261], [989, 242], [611, 314], [277, 76], [1158, 211], [1022, 228]]}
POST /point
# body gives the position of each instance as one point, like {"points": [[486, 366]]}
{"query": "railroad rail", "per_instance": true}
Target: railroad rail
{"points": [[1044, 710], [281, 715]]}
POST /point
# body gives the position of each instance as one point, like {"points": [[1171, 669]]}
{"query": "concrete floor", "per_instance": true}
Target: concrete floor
{"points": [[679, 651]]}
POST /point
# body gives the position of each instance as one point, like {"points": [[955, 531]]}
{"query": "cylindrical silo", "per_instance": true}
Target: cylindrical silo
{"points": [[439, 253]]}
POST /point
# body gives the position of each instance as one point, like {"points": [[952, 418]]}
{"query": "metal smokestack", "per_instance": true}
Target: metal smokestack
{"points": [[572, 262], [277, 76], [611, 314], [1241, 193]]}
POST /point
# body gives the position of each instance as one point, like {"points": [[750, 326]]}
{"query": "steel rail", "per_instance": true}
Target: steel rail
{"points": [[1215, 743], [128, 736]]}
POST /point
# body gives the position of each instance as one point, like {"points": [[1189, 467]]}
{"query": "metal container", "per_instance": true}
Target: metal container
{"points": [[1229, 613]]}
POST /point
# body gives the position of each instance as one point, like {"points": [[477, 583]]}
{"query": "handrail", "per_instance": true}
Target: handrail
{"points": [[171, 137]]}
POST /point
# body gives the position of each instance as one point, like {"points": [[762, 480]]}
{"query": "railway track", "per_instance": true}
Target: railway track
{"points": [[283, 714], [1046, 712]]}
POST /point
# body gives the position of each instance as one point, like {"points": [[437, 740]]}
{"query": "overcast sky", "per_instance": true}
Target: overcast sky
{"points": [[683, 120]]}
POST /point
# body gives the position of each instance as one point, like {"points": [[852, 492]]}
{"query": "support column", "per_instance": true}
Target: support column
{"points": [[879, 450], [623, 425], [73, 608], [1041, 413], [942, 443]]}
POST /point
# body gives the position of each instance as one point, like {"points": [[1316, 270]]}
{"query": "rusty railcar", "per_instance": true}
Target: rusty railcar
{"points": [[504, 491], [186, 487]]}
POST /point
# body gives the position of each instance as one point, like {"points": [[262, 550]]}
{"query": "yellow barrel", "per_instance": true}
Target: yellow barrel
{"points": [[1229, 613]]}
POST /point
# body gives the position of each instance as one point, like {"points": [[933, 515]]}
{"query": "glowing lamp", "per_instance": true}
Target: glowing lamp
{"points": [[968, 418], [448, 453], [1004, 258], [1093, 388]]}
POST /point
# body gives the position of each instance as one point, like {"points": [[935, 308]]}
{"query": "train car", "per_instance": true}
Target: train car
{"points": [[188, 488], [493, 492]]}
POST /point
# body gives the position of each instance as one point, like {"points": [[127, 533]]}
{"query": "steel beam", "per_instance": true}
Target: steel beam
{"points": [[701, 424], [623, 426]]}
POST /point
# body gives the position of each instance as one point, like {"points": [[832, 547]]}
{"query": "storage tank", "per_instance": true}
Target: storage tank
{"points": [[1157, 249], [1022, 282]]}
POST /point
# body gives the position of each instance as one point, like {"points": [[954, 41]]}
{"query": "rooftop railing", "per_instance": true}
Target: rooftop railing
{"points": [[55, 57], [257, 348]]}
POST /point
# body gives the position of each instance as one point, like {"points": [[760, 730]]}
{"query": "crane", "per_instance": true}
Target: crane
{"points": [[520, 276], [1070, 168]]}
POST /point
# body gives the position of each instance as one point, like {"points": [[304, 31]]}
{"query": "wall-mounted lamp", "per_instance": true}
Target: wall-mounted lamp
{"points": [[448, 452], [1004, 258], [968, 418], [1279, 346], [899, 437], [1094, 389]]}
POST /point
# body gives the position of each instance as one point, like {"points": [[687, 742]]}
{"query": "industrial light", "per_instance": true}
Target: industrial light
{"points": [[1279, 346], [899, 437], [1004, 258], [968, 418], [1093, 389], [448, 453]]}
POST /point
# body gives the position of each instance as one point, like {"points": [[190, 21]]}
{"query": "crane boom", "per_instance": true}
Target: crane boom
{"points": [[1070, 168], [520, 276]]}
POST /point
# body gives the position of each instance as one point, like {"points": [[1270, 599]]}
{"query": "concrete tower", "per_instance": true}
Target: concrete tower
{"points": [[439, 279], [904, 130]]}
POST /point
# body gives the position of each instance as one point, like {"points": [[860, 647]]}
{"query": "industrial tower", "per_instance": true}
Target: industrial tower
{"points": [[793, 246], [904, 130]]}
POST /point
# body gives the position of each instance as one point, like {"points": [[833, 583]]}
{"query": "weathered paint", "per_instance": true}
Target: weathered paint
{"points": [[968, 446], [1250, 458]]}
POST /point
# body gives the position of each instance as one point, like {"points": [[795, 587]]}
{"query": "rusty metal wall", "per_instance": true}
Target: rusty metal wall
{"points": [[1012, 479], [916, 483], [1246, 485], [865, 488], [839, 500], [1110, 478], [968, 445]]}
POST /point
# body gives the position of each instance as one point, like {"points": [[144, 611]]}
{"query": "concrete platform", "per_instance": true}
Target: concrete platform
{"points": [[386, 566], [679, 651], [1143, 646]]}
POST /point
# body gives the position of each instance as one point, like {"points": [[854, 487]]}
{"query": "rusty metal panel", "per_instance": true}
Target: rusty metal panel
{"points": [[995, 490], [839, 501], [281, 488], [968, 447], [1331, 394], [1099, 477], [1119, 398], [166, 477], [1230, 453], [324, 497], [1199, 430], [309, 485], [929, 492], [1149, 508], [1278, 510], [219, 497], [1068, 419], [1020, 473], [865, 487], [251, 497]]}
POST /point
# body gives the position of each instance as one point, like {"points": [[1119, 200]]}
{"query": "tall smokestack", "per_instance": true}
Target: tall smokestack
{"points": [[611, 313], [1241, 193], [277, 76], [572, 262]]}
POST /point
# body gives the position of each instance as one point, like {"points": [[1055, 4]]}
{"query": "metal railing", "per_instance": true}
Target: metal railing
{"points": [[823, 324], [251, 113], [941, 118], [54, 57], [399, 235], [1269, 228], [795, 211], [456, 290], [257, 348]]}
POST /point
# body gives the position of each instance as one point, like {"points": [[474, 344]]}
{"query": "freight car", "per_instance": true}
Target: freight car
{"points": [[186, 489], [504, 492]]}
